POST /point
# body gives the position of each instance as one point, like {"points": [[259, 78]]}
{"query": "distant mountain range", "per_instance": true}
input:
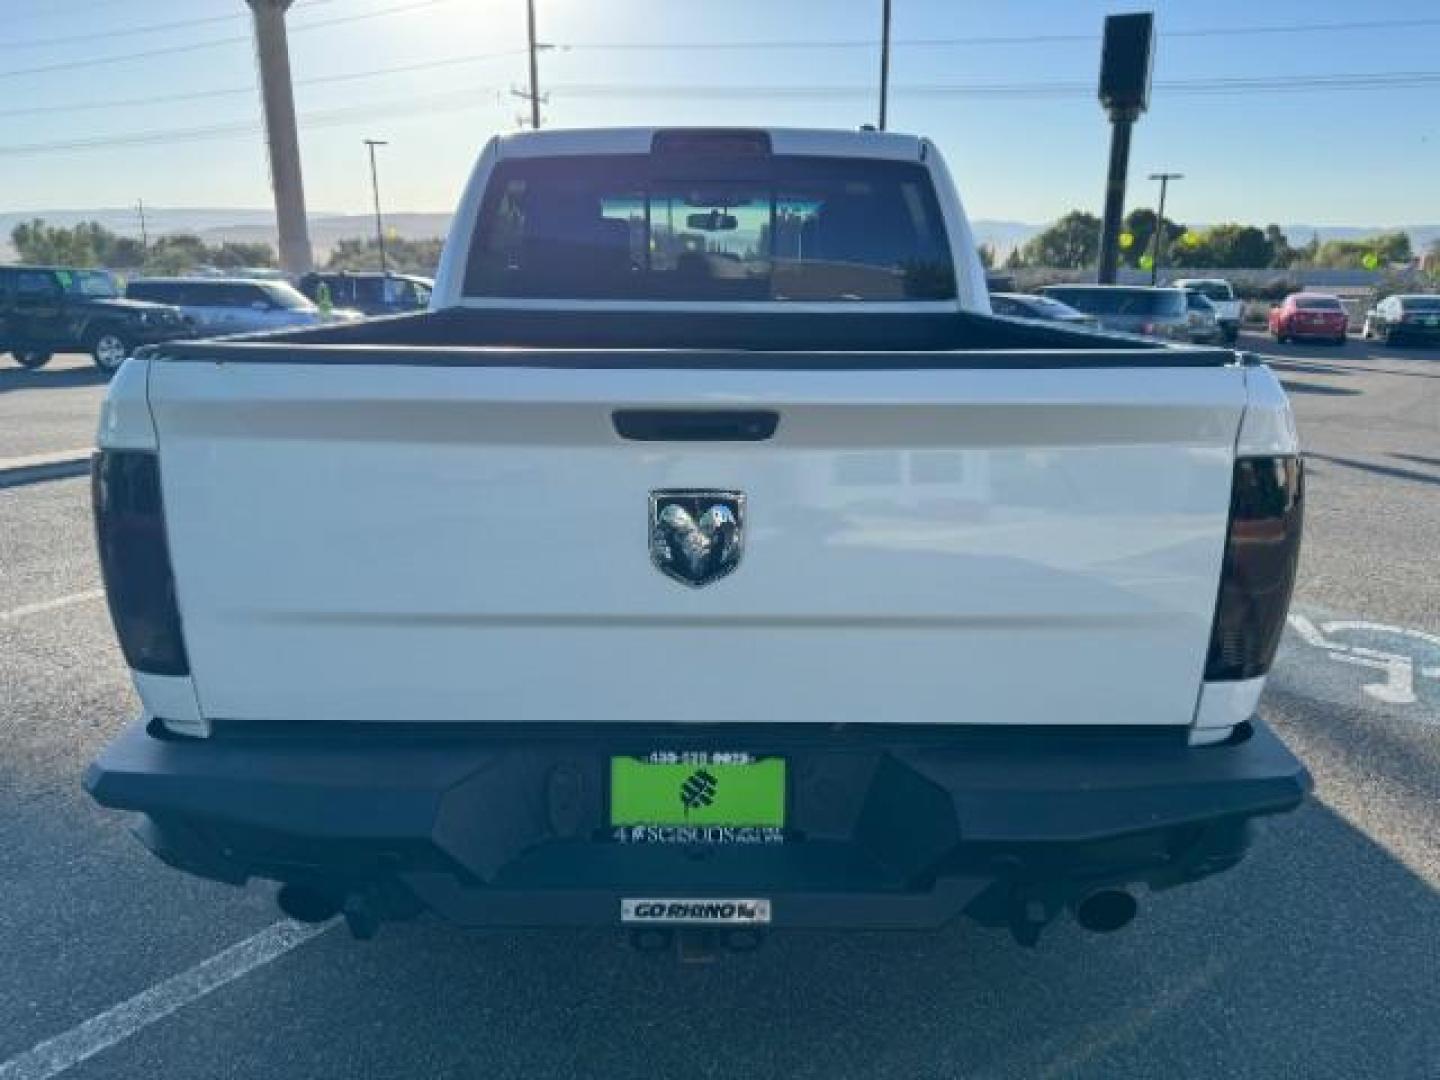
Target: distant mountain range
{"points": [[216, 225]]}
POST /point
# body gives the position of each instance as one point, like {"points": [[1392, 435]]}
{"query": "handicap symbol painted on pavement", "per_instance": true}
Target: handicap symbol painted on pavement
{"points": [[1401, 655]]}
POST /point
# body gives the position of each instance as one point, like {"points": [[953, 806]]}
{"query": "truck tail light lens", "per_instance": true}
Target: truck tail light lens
{"points": [[135, 560], [1262, 549]]}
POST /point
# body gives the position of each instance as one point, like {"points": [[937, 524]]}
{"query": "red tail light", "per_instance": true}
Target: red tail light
{"points": [[1262, 550], [135, 560]]}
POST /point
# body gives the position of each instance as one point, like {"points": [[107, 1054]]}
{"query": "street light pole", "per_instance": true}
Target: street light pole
{"points": [[884, 60], [375, 187], [1164, 178]]}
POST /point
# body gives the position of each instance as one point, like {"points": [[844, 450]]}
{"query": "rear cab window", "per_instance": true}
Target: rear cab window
{"points": [[708, 227], [1318, 303], [1212, 290]]}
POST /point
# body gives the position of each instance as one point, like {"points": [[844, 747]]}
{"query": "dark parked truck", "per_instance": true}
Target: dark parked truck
{"points": [[46, 310], [707, 560]]}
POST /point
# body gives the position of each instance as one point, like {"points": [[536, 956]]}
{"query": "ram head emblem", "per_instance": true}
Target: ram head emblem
{"points": [[696, 536]]}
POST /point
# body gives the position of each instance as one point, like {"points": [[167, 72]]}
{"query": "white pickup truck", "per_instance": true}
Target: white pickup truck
{"points": [[1229, 309], [707, 560]]}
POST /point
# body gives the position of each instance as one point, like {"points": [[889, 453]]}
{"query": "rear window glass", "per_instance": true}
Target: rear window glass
{"points": [[698, 227], [1122, 302], [157, 292], [1318, 303], [1421, 303], [1212, 290], [284, 296]]}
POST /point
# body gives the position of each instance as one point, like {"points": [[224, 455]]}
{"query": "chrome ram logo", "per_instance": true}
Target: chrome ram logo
{"points": [[696, 536]]}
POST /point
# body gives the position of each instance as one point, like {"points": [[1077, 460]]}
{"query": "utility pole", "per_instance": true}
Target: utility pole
{"points": [[277, 96], [1164, 178], [534, 68], [375, 188], [1125, 94], [884, 59], [144, 236]]}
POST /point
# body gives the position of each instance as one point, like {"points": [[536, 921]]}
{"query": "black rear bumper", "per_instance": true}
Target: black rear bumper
{"points": [[887, 827]]}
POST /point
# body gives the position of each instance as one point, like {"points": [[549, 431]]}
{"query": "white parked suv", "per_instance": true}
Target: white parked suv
{"points": [[707, 560]]}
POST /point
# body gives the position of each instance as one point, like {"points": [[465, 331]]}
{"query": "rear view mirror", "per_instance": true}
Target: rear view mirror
{"points": [[714, 221]]}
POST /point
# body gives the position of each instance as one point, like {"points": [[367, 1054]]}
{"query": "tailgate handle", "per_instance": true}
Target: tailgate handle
{"points": [[695, 425]]}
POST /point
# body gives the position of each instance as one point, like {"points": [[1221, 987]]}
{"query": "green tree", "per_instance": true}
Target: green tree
{"points": [[1139, 225], [178, 253], [401, 255], [40, 244], [1228, 245], [232, 254], [987, 256], [1369, 253], [1072, 243], [91, 244], [1306, 253], [1281, 253]]}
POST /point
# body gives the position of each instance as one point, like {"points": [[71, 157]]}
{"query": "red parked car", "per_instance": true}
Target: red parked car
{"points": [[1309, 315]]}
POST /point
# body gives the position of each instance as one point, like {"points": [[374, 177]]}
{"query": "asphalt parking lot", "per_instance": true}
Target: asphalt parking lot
{"points": [[1318, 957]]}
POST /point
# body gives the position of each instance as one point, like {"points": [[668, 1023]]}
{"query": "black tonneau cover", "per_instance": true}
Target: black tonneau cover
{"points": [[723, 339]]}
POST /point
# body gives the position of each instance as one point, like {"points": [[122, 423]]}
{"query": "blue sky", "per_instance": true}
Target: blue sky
{"points": [[1323, 156]]}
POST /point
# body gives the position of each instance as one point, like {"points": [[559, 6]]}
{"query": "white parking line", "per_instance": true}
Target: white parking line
{"points": [[84, 1041], [50, 605]]}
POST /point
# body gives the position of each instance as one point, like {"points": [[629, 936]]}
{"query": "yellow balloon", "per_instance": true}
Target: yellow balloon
{"points": [[1127, 239]]}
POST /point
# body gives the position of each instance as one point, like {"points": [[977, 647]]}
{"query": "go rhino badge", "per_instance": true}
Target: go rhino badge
{"points": [[695, 912]]}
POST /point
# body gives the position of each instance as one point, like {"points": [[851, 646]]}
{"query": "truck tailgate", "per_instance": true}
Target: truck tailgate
{"points": [[396, 542]]}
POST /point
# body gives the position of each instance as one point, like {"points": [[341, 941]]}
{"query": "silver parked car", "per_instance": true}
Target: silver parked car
{"points": [[235, 305], [1037, 309], [1131, 309]]}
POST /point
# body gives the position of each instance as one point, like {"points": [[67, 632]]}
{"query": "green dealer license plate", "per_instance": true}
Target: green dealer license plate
{"points": [[697, 797]]}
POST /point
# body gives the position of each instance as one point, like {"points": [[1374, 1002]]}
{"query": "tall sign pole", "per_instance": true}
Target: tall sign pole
{"points": [[272, 53], [1125, 94]]}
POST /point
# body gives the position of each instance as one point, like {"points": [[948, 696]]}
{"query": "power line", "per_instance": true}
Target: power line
{"points": [[1019, 39], [237, 91], [171, 50], [1226, 85], [51, 7], [469, 98], [466, 99], [132, 31], [1246, 85]]}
